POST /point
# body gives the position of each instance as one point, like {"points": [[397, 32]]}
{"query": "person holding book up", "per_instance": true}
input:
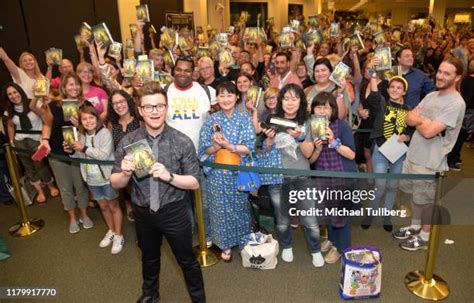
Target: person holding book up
{"points": [[389, 120], [26, 73], [334, 150], [95, 142], [67, 174], [159, 198]]}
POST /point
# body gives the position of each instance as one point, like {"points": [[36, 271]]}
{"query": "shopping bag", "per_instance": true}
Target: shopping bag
{"points": [[361, 273], [260, 252]]}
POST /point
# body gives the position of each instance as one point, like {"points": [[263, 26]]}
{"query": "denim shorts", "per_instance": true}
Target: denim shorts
{"points": [[104, 192]]}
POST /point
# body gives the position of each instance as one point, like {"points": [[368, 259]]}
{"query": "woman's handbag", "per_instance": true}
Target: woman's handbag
{"points": [[248, 181]]}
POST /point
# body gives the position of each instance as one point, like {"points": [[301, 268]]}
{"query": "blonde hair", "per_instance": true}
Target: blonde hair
{"points": [[85, 66], [334, 59], [37, 71], [204, 60]]}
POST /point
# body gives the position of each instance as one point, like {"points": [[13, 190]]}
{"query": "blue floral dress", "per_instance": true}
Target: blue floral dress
{"points": [[229, 211]]}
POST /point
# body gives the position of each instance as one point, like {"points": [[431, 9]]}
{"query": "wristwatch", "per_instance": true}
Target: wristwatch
{"points": [[171, 178]]}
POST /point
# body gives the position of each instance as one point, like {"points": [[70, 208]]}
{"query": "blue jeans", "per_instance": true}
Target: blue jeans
{"points": [[340, 236], [279, 196], [381, 165]]}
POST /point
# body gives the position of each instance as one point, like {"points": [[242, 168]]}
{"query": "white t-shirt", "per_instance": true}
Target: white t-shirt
{"points": [[188, 109], [26, 83], [432, 153], [36, 123]]}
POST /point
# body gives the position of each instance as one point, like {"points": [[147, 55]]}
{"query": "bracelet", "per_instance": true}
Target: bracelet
{"points": [[300, 138], [44, 138], [335, 144]]}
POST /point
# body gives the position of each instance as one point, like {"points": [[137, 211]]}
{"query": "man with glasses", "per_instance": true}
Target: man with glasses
{"points": [[159, 200], [206, 71]]}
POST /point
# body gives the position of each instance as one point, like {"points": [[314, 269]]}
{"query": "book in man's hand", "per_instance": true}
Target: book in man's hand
{"points": [[70, 109], [142, 157]]}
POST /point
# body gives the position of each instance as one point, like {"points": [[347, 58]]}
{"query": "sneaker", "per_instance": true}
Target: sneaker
{"points": [[74, 227], [87, 223], [131, 216], [117, 244], [287, 255], [332, 256], [326, 245], [107, 240], [405, 232], [318, 260], [454, 167], [414, 243]]}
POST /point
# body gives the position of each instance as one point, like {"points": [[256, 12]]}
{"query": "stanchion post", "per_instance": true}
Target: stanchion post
{"points": [[204, 256], [27, 226], [426, 284]]}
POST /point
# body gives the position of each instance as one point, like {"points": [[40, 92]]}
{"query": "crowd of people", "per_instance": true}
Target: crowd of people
{"points": [[206, 113]]}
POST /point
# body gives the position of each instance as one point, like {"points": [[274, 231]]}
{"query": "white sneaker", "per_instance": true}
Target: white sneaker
{"points": [[117, 244], [107, 240], [318, 260], [287, 254]]}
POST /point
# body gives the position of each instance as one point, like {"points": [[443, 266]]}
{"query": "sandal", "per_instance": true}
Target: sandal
{"points": [[53, 191], [226, 256], [40, 199]]}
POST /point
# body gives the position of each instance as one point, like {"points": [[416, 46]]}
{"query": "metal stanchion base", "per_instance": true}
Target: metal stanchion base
{"points": [[207, 257], [435, 289], [26, 229]]}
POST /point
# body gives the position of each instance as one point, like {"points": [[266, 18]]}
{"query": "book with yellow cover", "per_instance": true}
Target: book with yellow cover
{"points": [[86, 32], [143, 13], [142, 157], [102, 34], [41, 87]]}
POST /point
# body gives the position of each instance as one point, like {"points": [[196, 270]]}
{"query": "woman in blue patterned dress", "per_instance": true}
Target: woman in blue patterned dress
{"points": [[227, 130]]}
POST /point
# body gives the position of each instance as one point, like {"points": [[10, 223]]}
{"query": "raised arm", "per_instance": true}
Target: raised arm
{"points": [[11, 66]]}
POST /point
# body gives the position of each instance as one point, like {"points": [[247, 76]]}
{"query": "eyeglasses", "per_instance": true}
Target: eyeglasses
{"points": [[185, 58], [114, 104], [149, 108]]}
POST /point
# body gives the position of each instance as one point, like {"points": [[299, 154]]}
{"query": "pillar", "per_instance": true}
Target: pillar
{"points": [[400, 15], [199, 10], [438, 10], [127, 16]]}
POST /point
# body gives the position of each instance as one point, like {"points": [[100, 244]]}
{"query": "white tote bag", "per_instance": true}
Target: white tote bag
{"points": [[260, 252]]}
